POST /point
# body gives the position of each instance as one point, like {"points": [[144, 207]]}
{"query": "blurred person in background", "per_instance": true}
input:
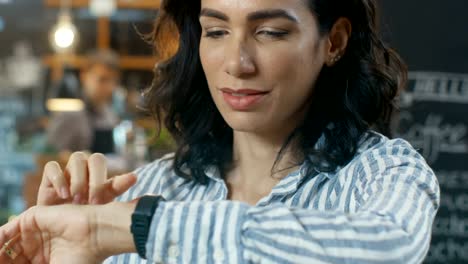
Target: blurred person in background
{"points": [[90, 129]]}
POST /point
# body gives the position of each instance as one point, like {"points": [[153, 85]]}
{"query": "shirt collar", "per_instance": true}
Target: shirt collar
{"points": [[292, 181], [213, 173]]}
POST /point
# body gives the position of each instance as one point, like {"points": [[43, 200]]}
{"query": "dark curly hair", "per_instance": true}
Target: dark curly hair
{"points": [[355, 95]]}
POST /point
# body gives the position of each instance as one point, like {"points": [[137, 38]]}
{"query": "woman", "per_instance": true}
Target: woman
{"points": [[272, 104]]}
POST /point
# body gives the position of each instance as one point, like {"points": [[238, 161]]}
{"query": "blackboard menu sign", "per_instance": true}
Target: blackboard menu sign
{"points": [[434, 118]]}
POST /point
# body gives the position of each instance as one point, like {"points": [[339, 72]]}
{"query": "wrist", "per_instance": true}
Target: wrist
{"points": [[113, 221]]}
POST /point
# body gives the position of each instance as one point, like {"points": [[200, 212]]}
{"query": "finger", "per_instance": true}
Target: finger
{"points": [[115, 187], [12, 240], [53, 176], [97, 166], [21, 259], [9, 231], [3, 237], [122, 183], [13, 251], [77, 168]]}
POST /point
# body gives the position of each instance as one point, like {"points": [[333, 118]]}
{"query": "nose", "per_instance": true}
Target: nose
{"points": [[239, 60]]}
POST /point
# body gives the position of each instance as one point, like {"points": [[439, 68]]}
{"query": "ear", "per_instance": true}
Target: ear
{"points": [[338, 40]]}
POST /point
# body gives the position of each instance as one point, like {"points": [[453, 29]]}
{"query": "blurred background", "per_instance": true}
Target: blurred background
{"points": [[49, 51], [91, 55]]}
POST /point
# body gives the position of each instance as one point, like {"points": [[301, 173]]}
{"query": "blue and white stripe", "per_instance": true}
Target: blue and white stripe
{"points": [[377, 209]]}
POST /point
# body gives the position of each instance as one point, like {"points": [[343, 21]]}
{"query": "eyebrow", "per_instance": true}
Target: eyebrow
{"points": [[257, 15], [214, 14]]}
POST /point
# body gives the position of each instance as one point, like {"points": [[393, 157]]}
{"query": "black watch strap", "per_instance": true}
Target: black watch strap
{"points": [[141, 221]]}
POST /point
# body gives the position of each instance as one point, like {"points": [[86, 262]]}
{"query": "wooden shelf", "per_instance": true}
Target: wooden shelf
{"points": [[122, 4], [126, 62], [145, 63]]}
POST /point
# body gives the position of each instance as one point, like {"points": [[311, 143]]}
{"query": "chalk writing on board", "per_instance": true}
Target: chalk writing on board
{"points": [[450, 225], [433, 118], [449, 250], [454, 180], [455, 202], [436, 87], [433, 136]]}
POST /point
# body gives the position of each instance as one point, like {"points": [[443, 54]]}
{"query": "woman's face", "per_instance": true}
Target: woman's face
{"points": [[261, 59]]}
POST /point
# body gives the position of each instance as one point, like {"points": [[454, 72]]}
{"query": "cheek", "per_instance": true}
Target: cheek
{"points": [[292, 73], [211, 58], [292, 70]]}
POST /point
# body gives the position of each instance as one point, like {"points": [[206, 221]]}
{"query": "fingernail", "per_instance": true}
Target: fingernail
{"points": [[64, 193], [77, 199]]}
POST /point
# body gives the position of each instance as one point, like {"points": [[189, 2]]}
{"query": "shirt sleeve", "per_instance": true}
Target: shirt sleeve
{"points": [[150, 180], [400, 197]]}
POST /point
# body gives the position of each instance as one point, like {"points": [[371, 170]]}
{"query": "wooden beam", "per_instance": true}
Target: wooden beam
{"points": [[103, 33], [58, 60], [137, 62], [145, 63], [123, 4]]}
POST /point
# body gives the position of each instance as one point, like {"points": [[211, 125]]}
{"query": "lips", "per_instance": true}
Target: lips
{"points": [[243, 99], [242, 91]]}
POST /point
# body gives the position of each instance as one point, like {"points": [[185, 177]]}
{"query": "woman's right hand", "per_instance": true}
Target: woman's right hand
{"points": [[84, 181]]}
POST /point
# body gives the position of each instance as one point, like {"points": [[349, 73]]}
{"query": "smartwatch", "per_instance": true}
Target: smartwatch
{"points": [[141, 221]]}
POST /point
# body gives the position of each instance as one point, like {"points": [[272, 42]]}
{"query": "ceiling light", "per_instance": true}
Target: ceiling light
{"points": [[102, 8], [65, 95], [64, 34]]}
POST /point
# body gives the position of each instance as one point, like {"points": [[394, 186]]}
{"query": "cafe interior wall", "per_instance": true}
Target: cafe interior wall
{"points": [[25, 81]]}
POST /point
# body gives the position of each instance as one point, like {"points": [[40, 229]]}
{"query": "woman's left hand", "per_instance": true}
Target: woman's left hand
{"points": [[67, 234], [84, 181]]}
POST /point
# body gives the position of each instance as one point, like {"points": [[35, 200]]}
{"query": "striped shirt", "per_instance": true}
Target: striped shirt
{"points": [[379, 208]]}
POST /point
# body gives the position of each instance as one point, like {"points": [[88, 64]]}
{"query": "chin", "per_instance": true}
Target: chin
{"points": [[246, 122]]}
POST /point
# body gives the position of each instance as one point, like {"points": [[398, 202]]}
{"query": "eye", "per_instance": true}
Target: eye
{"points": [[215, 34], [274, 34]]}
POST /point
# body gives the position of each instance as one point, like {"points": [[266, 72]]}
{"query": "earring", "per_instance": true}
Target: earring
{"points": [[336, 59]]}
